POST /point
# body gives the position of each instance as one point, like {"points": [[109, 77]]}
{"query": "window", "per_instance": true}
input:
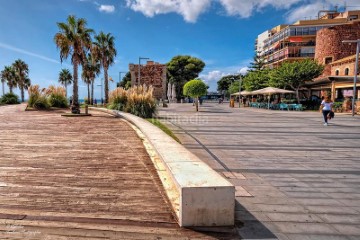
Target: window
{"points": [[337, 72], [353, 17], [328, 60], [346, 71]]}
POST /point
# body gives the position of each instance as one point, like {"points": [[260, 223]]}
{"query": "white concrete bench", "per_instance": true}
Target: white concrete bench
{"points": [[198, 194]]}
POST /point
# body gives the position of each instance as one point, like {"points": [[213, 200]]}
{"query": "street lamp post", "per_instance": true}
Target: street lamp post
{"points": [[355, 71], [120, 77], [240, 80], [139, 75]]}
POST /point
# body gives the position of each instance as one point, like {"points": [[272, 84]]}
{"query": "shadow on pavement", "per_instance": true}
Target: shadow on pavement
{"points": [[251, 227]]}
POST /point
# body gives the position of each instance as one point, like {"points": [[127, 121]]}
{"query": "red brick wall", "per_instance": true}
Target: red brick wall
{"points": [[329, 43], [153, 74]]}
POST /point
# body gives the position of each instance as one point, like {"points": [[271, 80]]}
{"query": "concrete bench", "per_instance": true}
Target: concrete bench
{"points": [[199, 195]]}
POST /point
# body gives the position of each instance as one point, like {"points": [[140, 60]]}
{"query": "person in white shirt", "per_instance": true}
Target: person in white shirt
{"points": [[326, 107]]}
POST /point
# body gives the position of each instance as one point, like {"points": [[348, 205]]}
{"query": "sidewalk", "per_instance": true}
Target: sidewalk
{"points": [[295, 178], [80, 178]]}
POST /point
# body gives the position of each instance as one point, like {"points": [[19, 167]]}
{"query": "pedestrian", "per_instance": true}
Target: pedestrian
{"points": [[326, 107]]}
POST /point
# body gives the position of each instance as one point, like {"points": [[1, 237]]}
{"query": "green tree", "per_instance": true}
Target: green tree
{"points": [[74, 39], [224, 83], [258, 63], [65, 78], [90, 70], [125, 81], [195, 89], [9, 76], [104, 49], [295, 74], [182, 69], [21, 70], [258, 79]]}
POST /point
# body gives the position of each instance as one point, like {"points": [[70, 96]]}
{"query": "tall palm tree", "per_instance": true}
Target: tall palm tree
{"points": [[27, 83], [9, 76], [3, 80], [65, 78], [105, 50], [90, 71], [22, 72], [74, 39]]}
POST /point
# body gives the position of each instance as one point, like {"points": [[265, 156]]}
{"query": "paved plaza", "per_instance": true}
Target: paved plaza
{"points": [[80, 178], [295, 178]]}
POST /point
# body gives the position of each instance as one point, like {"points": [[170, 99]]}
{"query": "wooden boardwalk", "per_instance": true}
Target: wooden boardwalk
{"points": [[79, 178]]}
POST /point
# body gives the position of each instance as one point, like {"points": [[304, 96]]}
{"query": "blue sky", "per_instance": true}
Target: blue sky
{"points": [[220, 32]]}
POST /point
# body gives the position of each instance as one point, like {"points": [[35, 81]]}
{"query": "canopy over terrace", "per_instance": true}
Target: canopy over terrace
{"points": [[270, 90], [243, 93]]}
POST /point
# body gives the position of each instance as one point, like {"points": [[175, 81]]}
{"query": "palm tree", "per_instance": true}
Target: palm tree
{"points": [[9, 76], [74, 39], [105, 50], [90, 70], [21, 71], [3, 80], [65, 78], [27, 83]]}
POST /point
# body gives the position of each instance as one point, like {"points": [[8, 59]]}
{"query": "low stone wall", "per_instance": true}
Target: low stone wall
{"points": [[198, 194]]}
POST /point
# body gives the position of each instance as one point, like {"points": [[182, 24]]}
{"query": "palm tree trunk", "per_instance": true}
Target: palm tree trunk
{"points": [[106, 85], [66, 90], [75, 108], [10, 89], [3, 88], [92, 92], [88, 88], [22, 94]]}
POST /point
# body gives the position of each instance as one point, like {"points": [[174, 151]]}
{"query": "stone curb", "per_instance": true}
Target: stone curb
{"points": [[198, 194]]}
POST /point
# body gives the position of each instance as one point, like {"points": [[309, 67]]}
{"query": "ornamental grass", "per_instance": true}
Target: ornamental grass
{"points": [[137, 100]]}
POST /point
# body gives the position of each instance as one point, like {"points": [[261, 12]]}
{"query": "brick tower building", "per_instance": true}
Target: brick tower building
{"points": [[152, 74]]}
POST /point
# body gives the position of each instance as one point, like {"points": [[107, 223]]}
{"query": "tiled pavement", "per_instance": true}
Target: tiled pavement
{"points": [[295, 178], [80, 178]]}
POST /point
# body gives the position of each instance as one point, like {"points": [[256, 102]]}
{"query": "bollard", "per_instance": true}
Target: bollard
{"points": [[86, 109]]}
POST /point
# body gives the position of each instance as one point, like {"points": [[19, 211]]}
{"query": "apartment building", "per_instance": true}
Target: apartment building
{"points": [[298, 41]]}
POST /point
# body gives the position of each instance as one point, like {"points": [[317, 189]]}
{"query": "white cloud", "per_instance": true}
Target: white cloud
{"points": [[189, 9], [107, 8], [245, 9], [307, 11], [213, 76], [19, 50]]}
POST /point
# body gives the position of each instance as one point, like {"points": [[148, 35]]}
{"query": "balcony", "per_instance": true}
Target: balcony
{"points": [[291, 55]]}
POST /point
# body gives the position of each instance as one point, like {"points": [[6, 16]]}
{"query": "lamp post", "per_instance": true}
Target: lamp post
{"points": [[240, 80], [141, 58], [355, 71], [101, 91], [120, 77]]}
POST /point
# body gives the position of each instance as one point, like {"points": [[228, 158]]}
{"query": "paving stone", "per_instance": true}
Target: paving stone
{"points": [[348, 229], [287, 157], [338, 218], [292, 217], [315, 237]]}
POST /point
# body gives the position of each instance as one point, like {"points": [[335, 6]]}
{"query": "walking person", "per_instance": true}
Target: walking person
{"points": [[326, 107]]}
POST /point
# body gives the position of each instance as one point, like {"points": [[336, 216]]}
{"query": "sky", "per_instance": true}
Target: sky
{"points": [[220, 32]]}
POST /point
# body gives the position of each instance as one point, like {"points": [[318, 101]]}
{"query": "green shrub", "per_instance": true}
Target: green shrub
{"points": [[41, 103], [338, 106], [58, 101], [10, 98], [57, 97], [118, 99], [138, 100]]}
